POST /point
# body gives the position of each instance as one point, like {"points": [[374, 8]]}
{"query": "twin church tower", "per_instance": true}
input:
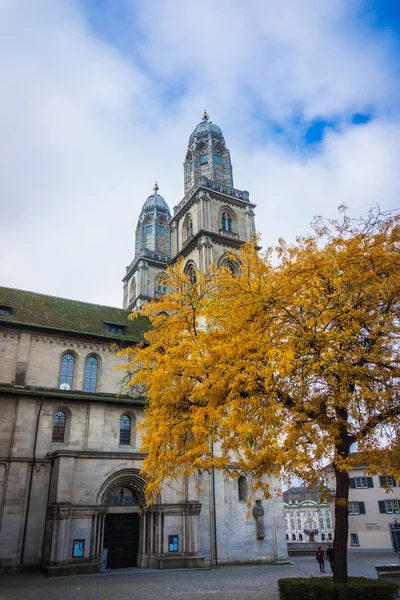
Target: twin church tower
{"points": [[211, 220]]}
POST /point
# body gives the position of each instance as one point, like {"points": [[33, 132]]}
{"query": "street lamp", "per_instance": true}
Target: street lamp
{"points": [[395, 529]]}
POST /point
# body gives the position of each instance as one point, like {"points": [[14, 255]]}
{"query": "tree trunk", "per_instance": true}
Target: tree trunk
{"points": [[341, 527]]}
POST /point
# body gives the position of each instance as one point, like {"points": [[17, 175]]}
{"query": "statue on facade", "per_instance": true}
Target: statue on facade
{"points": [[258, 514]]}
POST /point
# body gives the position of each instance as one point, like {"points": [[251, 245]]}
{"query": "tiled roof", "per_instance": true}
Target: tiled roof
{"points": [[71, 316]]}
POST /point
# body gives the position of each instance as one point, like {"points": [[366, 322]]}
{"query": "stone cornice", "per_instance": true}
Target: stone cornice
{"points": [[98, 455], [216, 238], [178, 508], [160, 264], [45, 333], [70, 395], [71, 511], [214, 193]]}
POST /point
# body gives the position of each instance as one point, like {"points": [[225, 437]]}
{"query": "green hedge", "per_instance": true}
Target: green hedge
{"points": [[323, 588]]}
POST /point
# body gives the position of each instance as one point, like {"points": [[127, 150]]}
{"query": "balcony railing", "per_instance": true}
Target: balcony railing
{"points": [[229, 234], [212, 185], [145, 253]]}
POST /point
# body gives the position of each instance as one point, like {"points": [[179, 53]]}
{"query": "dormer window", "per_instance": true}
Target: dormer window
{"points": [[111, 328], [218, 159], [203, 159], [5, 311], [149, 229]]}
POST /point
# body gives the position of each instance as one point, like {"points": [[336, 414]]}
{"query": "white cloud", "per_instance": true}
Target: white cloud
{"points": [[85, 132]]}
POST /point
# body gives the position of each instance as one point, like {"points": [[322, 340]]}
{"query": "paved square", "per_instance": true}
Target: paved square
{"points": [[224, 583]]}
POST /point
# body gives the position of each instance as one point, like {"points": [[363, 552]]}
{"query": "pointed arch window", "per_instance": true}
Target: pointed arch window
{"points": [[125, 430], [190, 271], [226, 221], [90, 381], [132, 289], [189, 228], [59, 422], [67, 371], [160, 286]]}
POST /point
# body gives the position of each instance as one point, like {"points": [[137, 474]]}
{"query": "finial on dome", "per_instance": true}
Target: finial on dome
{"points": [[155, 187], [205, 116]]}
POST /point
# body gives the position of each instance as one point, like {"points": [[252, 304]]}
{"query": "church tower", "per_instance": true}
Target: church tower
{"points": [[143, 279], [214, 217], [211, 220]]}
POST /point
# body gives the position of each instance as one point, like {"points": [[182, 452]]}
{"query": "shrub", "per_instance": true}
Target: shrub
{"points": [[323, 588]]}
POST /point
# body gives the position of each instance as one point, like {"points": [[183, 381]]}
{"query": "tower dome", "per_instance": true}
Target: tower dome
{"points": [[207, 155], [152, 231], [205, 127], [155, 199]]}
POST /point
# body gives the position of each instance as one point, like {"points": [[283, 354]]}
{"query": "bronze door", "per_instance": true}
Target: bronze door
{"points": [[121, 540]]}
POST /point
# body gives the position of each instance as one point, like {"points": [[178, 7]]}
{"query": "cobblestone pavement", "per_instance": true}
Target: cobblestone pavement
{"points": [[223, 583]]}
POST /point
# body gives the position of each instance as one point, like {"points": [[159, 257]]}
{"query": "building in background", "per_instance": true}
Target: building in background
{"points": [[70, 481], [308, 518], [373, 511]]}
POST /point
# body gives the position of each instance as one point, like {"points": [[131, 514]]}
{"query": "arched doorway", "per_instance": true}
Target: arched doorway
{"points": [[121, 528], [123, 495]]}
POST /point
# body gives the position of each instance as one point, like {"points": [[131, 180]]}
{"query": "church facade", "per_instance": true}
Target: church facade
{"points": [[71, 489]]}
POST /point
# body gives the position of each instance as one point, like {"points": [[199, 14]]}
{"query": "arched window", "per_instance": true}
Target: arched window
{"points": [[287, 537], [125, 430], [300, 537], [242, 488], [59, 421], [329, 536], [233, 266], [187, 228], [132, 289], [190, 270], [294, 537], [67, 372], [160, 285], [90, 381], [226, 221]]}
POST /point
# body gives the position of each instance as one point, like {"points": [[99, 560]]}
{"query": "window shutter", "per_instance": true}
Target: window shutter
{"points": [[382, 481], [370, 482], [361, 508], [394, 483], [352, 483], [382, 506]]}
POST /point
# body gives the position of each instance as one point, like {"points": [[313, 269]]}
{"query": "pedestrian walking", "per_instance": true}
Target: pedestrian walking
{"points": [[329, 555], [320, 557]]}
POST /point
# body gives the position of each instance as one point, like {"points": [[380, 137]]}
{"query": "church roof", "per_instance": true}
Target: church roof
{"points": [[206, 126], [155, 199], [30, 309]]}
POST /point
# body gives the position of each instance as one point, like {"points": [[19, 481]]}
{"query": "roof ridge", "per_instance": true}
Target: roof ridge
{"points": [[3, 287]]}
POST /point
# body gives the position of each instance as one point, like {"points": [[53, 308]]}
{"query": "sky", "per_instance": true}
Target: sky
{"points": [[99, 97]]}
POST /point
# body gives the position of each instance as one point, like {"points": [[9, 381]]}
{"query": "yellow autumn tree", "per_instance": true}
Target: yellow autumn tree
{"points": [[284, 363]]}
